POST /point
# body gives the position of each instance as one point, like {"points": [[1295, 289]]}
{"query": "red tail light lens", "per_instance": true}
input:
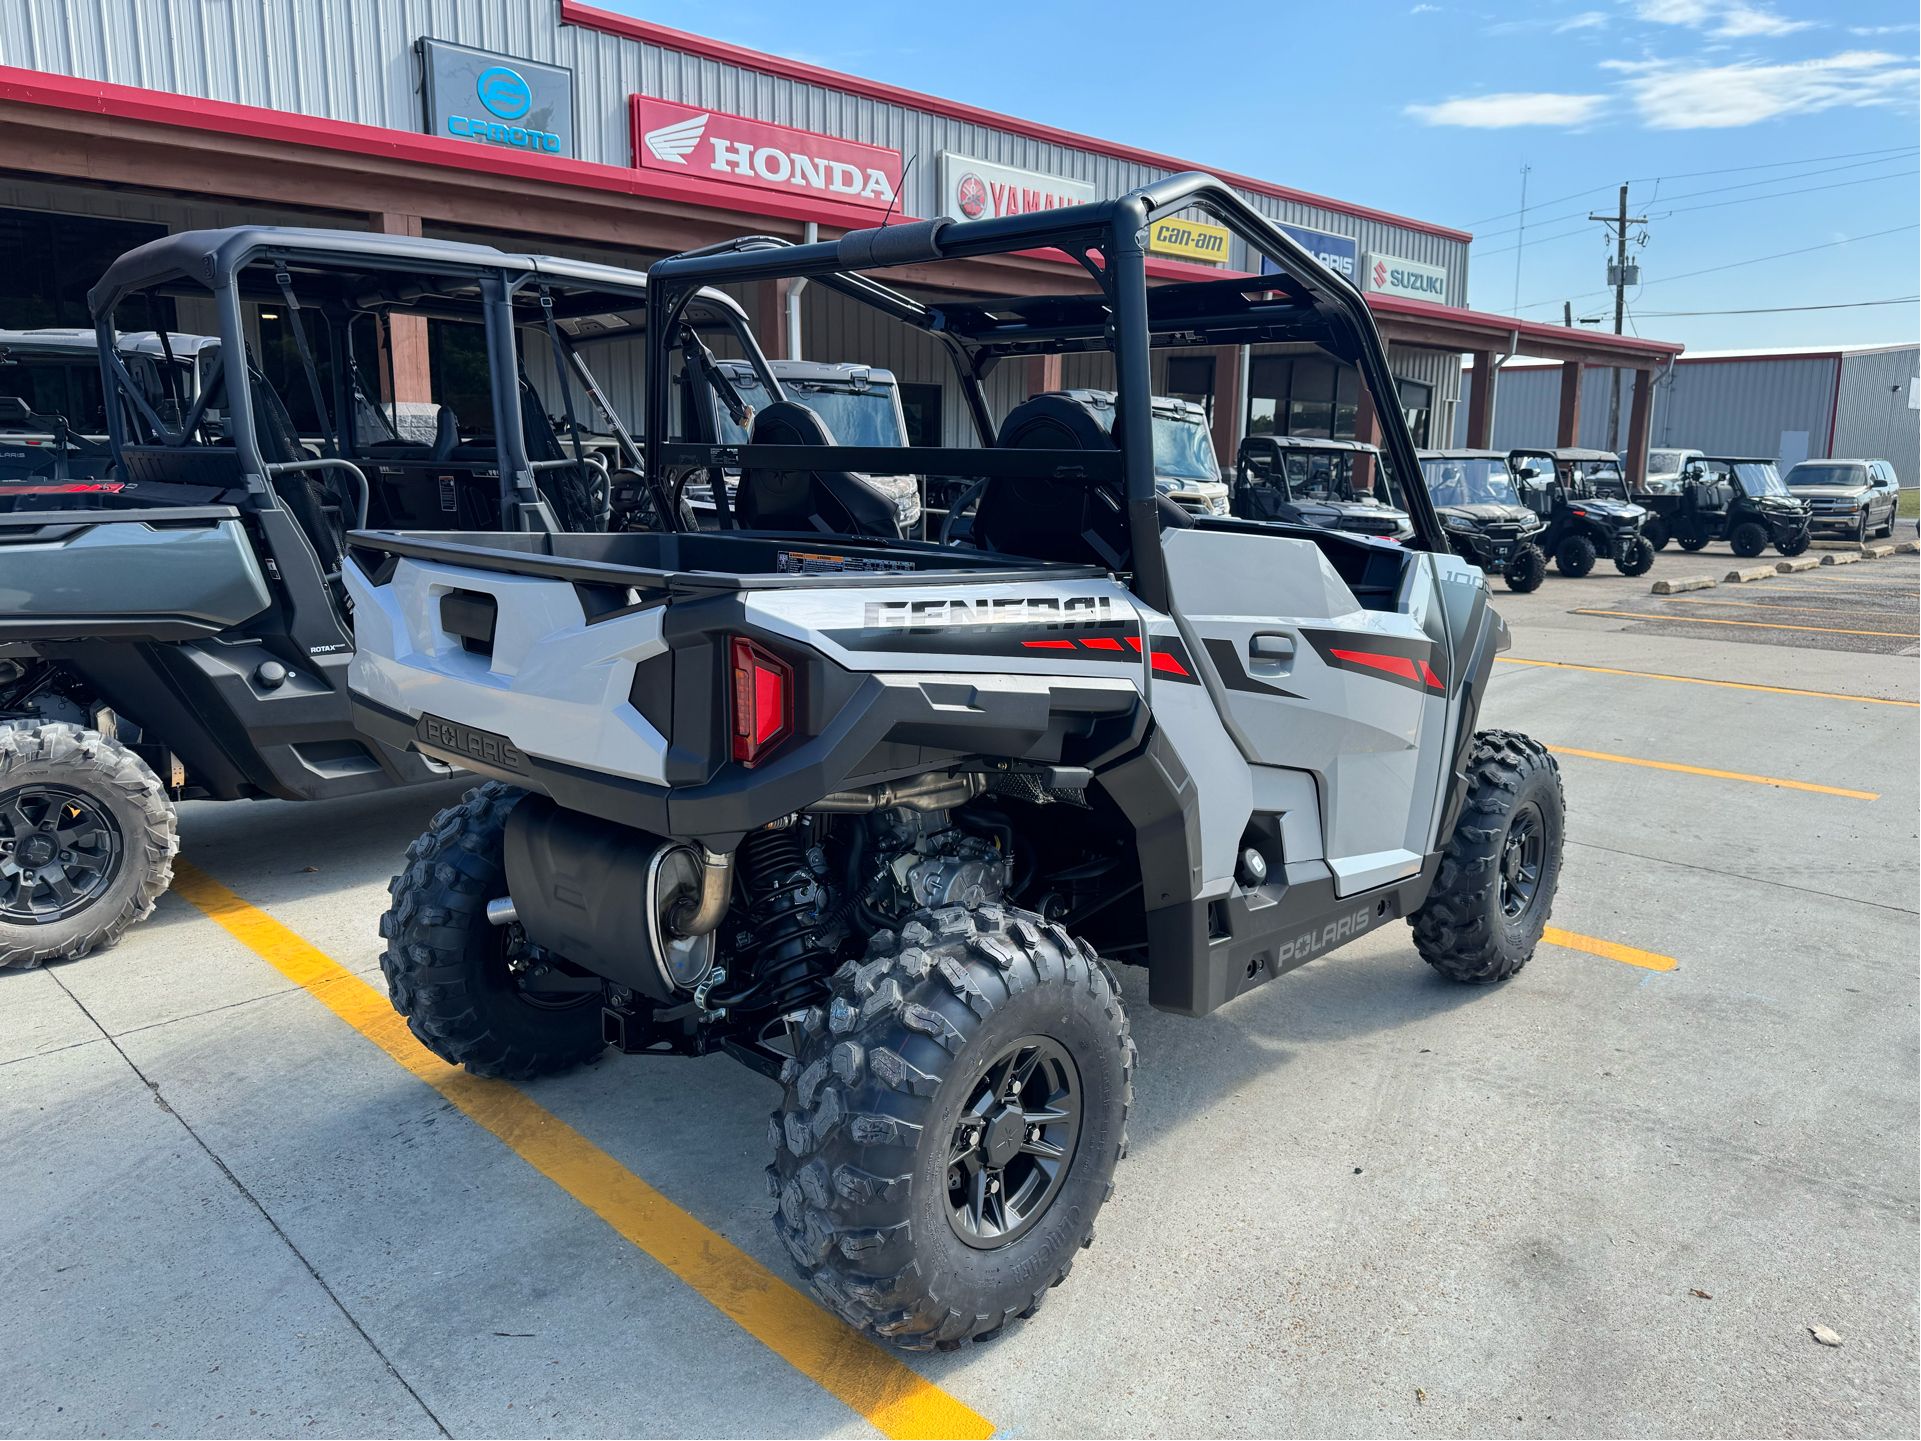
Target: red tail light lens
{"points": [[763, 700]]}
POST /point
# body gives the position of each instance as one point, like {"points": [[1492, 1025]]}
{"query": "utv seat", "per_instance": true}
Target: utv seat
{"points": [[839, 502]]}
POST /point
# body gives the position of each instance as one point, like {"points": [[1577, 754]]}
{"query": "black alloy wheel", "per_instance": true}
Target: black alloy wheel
{"points": [[1522, 856], [1795, 544], [1748, 539], [60, 851], [1013, 1143]]}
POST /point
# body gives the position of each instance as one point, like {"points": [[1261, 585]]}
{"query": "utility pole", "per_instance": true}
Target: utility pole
{"points": [[1618, 278], [1520, 241]]}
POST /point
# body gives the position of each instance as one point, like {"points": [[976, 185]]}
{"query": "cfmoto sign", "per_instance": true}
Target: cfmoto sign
{"points": [[497, 100]]}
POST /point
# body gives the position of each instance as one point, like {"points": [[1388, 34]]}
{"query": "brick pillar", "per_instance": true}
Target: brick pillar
{"points": [[1044, 373], [1638, 420], [1567, 430], [411, 370], [1229, 404], [1480, 401], [1367, 429], [772, 327]]}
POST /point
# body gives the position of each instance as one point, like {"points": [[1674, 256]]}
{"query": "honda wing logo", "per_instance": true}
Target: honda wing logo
{"points": [[672, 142]]}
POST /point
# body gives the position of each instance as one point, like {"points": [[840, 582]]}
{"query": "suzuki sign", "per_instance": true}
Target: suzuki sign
{"points": [[713, 146], [1410, 279], [973, 189]]}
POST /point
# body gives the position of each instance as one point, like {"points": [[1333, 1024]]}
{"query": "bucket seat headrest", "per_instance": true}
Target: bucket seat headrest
{"points": [[838, 502], [1059, 520]]}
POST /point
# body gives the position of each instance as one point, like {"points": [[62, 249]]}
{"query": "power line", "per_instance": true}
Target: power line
{"points": [[1784, 194], [1782, 309]]}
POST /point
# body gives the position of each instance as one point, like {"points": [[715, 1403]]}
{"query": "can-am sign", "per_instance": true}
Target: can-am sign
{"points": [[1391, 275], [980, 190], [713, 146]]}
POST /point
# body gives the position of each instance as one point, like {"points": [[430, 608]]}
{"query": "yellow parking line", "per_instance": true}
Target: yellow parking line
{"points": [[1697, 680], [1757, 624], [880, 1387], [1763, 605], [1720, 775], [1613, 950]]}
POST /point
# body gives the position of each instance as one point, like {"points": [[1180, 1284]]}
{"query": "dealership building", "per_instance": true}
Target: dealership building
{"points": [[548, 126]]}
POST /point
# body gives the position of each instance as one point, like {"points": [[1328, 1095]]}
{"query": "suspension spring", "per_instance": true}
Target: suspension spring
{"points": [[782, 957]]}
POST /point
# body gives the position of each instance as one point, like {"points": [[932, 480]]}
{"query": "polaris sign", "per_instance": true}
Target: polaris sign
{"points": [[1409, 279], [1337, 253], [497, 100]]}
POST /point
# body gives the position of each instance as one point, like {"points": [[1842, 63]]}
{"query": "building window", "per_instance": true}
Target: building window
{"points": [[1191, 377], [1308, 395], [1417, 406], [49, 262], [921, 405]]}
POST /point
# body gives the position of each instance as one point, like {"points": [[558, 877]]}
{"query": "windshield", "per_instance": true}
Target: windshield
{"points": [[1183, 450], [1849, 475], [1760, 479], [856, 417], [1469, 482], [1666, 462]]}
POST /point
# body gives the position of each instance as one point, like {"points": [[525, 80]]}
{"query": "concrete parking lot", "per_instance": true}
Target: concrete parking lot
{"points": [[1609, 1197]]}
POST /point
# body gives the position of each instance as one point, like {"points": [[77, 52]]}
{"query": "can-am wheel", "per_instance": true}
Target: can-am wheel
{"points": [[1798, 542], [951, 1124], [1749, 539], [1495, 889], [87, 841], [1657, 533], [473, 993], [1526, 569], [1636, 556]]}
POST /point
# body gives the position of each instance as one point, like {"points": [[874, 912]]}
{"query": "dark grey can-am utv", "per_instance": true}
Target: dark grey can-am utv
{"points": [[175, 627]]}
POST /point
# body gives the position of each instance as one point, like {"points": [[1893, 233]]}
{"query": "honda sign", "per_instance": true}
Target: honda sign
{"points": [[713, 146]]}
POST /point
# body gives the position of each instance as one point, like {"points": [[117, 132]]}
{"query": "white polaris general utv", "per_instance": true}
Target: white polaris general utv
{"points": [[873, 815]]}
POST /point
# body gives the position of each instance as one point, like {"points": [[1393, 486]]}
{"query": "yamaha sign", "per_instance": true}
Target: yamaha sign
{"points": [[1409, 279], [497, 100]]}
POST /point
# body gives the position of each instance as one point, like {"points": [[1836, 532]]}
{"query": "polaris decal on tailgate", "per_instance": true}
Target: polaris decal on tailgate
{"points": [[465, 742]]}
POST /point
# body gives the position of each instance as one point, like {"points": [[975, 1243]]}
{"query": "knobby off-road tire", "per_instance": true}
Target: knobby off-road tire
{"points": [[1574, 557], [1691, 540], [1495, 889], [1526, 570], [896, 1092], [448, 969], [1657, 534], [1749, 539], [1801, 540], [106, 857], [1636, 557]]}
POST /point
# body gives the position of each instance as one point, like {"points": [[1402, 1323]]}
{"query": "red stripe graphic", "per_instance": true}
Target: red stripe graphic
{"points": [[1048, 644], [1165, 662], [1394, 664]]}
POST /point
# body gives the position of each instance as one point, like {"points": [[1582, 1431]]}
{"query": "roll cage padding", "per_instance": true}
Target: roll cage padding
{"points": [[838, 501]]}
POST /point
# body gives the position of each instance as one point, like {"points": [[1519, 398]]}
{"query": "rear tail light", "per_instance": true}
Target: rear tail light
{"points": [[763, 700]]}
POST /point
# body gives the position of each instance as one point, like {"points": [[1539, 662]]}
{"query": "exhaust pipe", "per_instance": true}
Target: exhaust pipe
{"points": [[501, 912], [697, 918], [933, 791]]}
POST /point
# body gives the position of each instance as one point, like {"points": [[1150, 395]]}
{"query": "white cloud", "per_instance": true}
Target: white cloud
{"points": [[1720, 17], [1425, 10], [1500, 112], [1586, 20], [1681, 96]]}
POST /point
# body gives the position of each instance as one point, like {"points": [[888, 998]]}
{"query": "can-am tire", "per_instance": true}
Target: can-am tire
{"points": [[472, 993], [1656, 533], [87, 841], [1636, 556], [923, 1205], [1495, 889], [1798, 542], [1748, 539], [1574, 557], [1526, 570], [1690, 539]]}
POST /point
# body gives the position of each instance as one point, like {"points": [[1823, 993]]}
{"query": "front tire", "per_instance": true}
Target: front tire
{"points": [[87, 841], [1636, 557], [1495, 889], [1574, 557], [1749, 539], [1657, 534], [471, 992], [951, 1124], [1800, 541], [1527, 569]]}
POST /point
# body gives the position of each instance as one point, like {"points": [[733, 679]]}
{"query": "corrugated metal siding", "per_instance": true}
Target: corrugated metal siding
{"points": [[1872, 420], [353, 60]]}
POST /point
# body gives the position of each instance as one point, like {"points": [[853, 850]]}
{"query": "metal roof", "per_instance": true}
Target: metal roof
{"points": [[1310, 442]]}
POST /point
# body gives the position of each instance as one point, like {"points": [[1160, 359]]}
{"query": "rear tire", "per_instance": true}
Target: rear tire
{"points": [[1636, 557], [881, 1176], [1656, 533], [110, 848], [1527, 569], [465, 987], [1495, 889], [1750, 538], [1691, 539], [1574, 557]]}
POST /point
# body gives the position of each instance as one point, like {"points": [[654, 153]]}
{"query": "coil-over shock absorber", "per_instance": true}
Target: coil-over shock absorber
{"points": [[785, 964]]}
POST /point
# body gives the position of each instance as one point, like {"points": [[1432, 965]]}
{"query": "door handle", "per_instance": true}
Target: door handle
{"points": [[1269, 654]]}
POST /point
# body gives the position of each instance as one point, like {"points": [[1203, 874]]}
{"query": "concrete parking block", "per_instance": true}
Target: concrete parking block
{"points": [[1837, 545], [1799, 563], [1843, 558], [1907, 547], [1684, 582], [1753, 572], [1877, 552]]}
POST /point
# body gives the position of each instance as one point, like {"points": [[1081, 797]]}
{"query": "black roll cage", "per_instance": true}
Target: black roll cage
{"points": [[1108, 240], [335, 277]]}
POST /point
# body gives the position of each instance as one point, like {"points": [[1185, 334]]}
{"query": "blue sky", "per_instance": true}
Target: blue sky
{"points": [[1747, 129]]}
